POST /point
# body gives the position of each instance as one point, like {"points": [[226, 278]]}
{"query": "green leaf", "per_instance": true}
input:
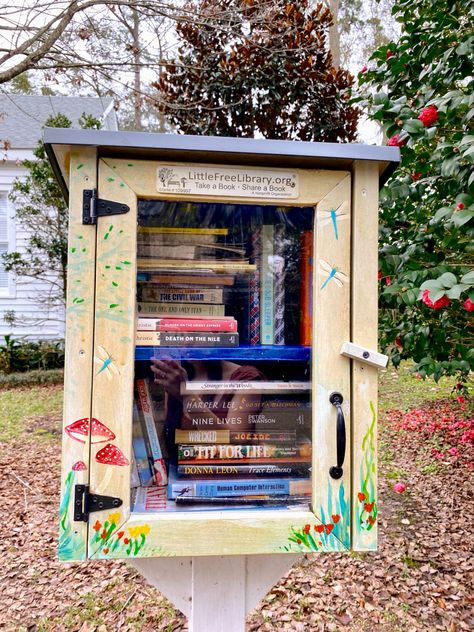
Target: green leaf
{"points": [[413, 126], [447, 279], [468, 278], [454, 292], [462, 217], [433, 285]]}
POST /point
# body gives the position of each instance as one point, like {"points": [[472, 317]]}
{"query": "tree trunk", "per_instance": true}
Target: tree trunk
{"points": [[334, 37]]}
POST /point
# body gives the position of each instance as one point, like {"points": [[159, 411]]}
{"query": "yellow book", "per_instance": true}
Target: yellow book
{"points": [[212, 264], [184, 231]]}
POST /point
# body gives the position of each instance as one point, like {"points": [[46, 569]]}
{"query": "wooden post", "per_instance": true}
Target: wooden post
{"points": [[215, 593]]}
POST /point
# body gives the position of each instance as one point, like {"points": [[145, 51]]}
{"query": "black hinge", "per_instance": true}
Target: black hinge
{"points": [[86, 503], [94, 207]]}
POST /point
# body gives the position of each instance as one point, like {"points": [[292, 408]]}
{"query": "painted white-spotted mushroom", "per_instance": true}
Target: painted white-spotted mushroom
{"points": [[79, 431]]}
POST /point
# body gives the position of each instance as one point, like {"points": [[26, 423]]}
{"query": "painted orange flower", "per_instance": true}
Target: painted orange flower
{"points": [[103, 535], [335, 518], [329, 528], [306, 528], [97, 526], [120, 534], [361, 496], [105, 551], [126, 540], [368, 507], [319, 528]]}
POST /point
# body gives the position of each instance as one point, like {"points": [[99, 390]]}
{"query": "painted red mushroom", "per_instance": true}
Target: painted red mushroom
{"points": [[79, 431], [111, 455], [79, 466]]}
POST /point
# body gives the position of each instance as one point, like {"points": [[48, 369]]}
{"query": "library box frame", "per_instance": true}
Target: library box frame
{"points": [[95, 517]]}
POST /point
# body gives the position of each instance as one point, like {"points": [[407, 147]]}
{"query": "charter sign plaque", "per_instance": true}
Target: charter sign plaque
{"points": [[222, 181]]}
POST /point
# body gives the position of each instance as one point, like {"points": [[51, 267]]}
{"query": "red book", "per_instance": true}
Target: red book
{"points": [[187, 324], [306, 288]]}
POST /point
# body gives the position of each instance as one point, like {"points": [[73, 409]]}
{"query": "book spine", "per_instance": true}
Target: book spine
{"points": [[177, 295], [243, 487], [191, 339], [216, 265], [183, 309], [279, 285], [169, 230], [188, 388], [145, 404], [306, 288], [261, 500], [255, 469], [190, 279], [266, 289], [140, 452], [183, 324], [198, 452], [231, 436], [254, 287]]}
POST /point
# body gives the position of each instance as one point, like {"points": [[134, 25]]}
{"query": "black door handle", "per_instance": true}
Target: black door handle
{"points": [[336, 400]]}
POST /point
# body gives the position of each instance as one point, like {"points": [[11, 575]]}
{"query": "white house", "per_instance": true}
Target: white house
{"points": [[22, 118]]}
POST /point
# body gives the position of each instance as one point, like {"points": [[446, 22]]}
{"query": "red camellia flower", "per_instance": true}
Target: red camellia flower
{"points": [[362, 70], [390, 53], [439, 304], [460, 206], [428, 115], [395, 141], [468, 305], [415, 176]]}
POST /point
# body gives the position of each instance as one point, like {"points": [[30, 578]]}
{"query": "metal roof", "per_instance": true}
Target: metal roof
{"points": [[22, 117], [215, 150]]}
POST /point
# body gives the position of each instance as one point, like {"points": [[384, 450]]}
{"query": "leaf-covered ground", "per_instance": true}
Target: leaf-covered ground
{"points": [[420, 579]]}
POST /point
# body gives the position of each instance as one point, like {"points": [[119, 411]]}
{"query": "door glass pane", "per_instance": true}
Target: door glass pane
{"points": [[222, 414]]}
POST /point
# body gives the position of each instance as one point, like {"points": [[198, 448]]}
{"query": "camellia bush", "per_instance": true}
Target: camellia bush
{"points": [[420, 89]]}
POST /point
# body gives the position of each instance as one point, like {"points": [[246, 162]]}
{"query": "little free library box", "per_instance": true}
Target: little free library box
{"points": [[221, 344]]}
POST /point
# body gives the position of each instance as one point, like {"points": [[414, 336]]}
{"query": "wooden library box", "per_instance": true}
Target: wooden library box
{"points": [[221, 344]]}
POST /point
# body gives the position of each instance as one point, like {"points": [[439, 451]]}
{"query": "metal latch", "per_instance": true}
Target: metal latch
{"points": [[350, 350], [86, 503], [94, 207]]}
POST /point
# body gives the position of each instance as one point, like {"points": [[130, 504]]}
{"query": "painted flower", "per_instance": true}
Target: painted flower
{"points": [[369, 506], [439, 304], [335, 518], [136, 532], [319, 528], [114, 517], [361, 496], [120, 534], [468, 305], [328, 528], [399, 488], [396, 141], [105, 551], [97, 525], [306, 528], [428, 115], [103, 535]]}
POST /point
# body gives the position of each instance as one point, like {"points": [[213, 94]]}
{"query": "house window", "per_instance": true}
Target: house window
{"points": [[4, 276]]}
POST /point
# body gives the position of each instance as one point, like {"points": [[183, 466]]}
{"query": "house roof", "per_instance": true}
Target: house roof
{"points": [[22, 117]]}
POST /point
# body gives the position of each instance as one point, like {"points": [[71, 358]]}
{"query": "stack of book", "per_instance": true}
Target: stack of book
{"points": [[184, 284], [226, 465]]}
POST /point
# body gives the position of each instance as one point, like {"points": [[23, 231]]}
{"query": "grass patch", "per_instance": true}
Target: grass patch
{"points": [[17, 405], [400, 389]]}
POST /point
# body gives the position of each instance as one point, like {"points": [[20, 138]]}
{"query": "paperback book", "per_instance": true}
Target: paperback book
{"points": [[190, 339]]}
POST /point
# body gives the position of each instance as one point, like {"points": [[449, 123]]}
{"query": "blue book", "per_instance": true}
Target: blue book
{"points": [[220, 488]]}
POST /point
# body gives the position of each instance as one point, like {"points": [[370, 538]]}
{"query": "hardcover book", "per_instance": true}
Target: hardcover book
{"points": [[180, 309], [287, 468], [189, 339], [228, 325], [152, 294], [232, 436]]}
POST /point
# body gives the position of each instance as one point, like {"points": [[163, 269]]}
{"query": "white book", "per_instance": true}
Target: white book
{"points": [[188, 388], [267, 324]]}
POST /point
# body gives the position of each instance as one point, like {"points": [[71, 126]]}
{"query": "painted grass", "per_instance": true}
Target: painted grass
{"points": [[17, 405]]}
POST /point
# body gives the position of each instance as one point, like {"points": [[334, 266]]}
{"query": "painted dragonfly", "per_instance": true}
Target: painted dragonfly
{"points": [[332, 216], [106, 362], [331, 273]]}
